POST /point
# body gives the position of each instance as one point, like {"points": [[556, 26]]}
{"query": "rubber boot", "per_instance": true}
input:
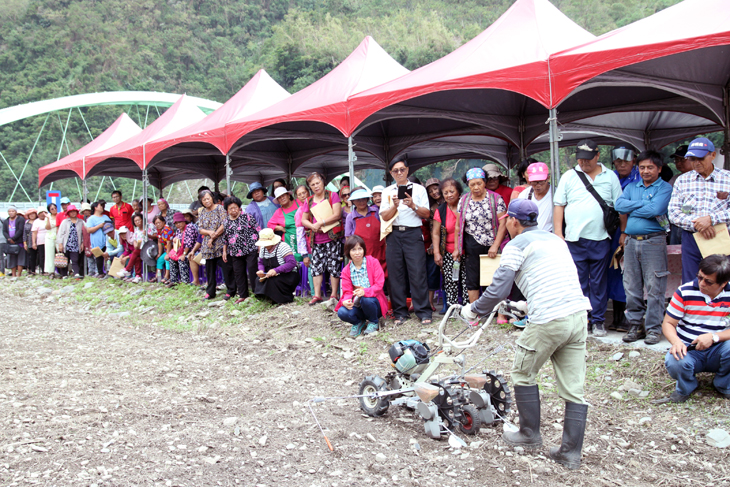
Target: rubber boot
{"points": [[528, 405], [574, 427]]}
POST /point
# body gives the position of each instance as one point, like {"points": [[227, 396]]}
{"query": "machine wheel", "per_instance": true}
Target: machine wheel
{"points": [[373, 406], [471, 421], [499, 393]]}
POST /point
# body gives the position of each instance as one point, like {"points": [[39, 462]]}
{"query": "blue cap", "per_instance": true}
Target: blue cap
{"points": [[700, 148], [254, 186], [65, 201], [523, 210]]}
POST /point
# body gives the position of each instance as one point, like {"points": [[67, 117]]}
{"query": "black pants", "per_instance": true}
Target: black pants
{"points": [[30, 260], [100, 262], [40, 259], [406, 255], [211, 267], [243, 274], [73, 264]]}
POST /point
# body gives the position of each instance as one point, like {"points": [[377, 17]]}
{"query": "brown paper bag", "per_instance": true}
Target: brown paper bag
{"points": [[115, 267], [97, 252]]}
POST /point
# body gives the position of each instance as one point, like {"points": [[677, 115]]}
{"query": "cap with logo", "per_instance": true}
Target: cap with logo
{"points": [[586, 149], [537, 171], [700, 148]]}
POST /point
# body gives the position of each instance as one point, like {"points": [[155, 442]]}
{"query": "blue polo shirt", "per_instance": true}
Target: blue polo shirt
{"points": [[644, 204]]}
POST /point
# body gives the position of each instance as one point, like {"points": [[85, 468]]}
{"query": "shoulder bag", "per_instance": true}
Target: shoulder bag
{"points": [[611, 218]]}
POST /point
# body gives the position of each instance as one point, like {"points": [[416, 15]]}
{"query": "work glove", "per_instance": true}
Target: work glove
{"points": [[468, 314]]}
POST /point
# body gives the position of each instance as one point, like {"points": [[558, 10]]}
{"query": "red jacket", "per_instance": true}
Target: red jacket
{"points": [[376, 278]]}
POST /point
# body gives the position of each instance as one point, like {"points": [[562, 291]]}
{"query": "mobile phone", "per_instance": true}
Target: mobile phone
{"points": [[691, 346], [402, 190]]}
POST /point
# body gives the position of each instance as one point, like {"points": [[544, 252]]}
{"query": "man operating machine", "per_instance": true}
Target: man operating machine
{"points": [[542, 267]]}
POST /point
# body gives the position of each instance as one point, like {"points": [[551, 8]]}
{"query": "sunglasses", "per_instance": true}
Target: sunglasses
{"points": [[399, 170], [701, 278], [345, 195]]}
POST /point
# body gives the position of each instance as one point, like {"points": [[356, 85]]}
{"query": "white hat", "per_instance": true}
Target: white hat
{"points": [[85, 206], [359, 194], [280, 191], [123, 229], [378, 189], [267, 237]]}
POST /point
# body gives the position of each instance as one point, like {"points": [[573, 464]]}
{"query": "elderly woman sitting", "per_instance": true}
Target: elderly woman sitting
{"points": [[363, 300], [278, 276]]}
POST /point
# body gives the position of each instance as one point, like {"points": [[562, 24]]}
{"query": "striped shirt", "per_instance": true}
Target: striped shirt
{"points": [[697, 313], [546, 275], [694, 196], [280, 251]]}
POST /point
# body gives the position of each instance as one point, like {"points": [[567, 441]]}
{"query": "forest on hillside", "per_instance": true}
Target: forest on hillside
{"points": [[210, 49]]}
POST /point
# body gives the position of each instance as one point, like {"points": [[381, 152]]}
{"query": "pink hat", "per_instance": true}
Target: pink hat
{"points": [[71, 208], [537, 171]]}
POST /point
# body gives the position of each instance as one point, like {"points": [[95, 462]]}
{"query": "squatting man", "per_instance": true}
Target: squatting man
{"points": [[540, 264]]}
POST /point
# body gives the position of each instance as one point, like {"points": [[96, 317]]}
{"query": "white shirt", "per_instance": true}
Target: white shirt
{"points": [[544, 208], [406, 216]]}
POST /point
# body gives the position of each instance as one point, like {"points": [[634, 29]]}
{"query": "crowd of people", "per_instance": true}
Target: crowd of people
{"points": [[602, 234]]}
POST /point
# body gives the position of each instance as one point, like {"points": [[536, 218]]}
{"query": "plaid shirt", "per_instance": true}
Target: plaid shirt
{"points": [[359, 277], [694, 196]]}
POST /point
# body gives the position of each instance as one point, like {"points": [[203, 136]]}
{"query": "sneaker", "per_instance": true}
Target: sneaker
{"points": [[124, 273], [635, 333], [521, 323], [137, 280], [599, 330], [221, 287], [372, 327], [652, 338], [356, 330], [675, 397]]}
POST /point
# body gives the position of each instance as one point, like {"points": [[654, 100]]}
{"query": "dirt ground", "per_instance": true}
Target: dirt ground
{"points": [[89, 397]]}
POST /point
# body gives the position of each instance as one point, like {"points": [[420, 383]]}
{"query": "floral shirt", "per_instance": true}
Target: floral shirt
{"points": [[241, 235], [210, 220], [189, 236], [170, 217], [165, 235], [72, 244], [478, 218]]}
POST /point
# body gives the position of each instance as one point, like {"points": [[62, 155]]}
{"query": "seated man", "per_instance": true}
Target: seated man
{"points": [[698, 315]]}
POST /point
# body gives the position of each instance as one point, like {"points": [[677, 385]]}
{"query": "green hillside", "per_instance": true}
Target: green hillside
{"points": [[52, 48]]}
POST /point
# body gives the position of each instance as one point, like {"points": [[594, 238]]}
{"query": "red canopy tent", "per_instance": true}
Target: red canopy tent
{"points": [[677, 59], [312, 121], [130, 158], [201, 147], [74, 165], [490, 86]]}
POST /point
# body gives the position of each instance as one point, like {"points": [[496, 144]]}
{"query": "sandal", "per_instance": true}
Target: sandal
{"points": [[399, 321], [426, 322], [315, 300]]}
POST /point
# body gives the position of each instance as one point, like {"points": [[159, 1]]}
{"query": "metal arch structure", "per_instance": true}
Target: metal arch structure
{"points": [[150, 98], [47, 107]]}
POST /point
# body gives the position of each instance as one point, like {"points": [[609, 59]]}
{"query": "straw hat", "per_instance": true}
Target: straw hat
{"points": [[267, 237], [85, 206]]}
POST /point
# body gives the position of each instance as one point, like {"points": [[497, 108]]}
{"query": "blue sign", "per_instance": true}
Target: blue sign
{"points": [[53, 197]]}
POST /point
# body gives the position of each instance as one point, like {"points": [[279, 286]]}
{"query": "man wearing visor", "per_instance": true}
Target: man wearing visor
{"points": [[622, 157]]}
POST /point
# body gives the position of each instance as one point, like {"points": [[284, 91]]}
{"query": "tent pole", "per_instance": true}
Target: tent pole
{"points": [[228, 173], [351, 158], [86, 191], [145, 183], [726, 145], [554, 148]]}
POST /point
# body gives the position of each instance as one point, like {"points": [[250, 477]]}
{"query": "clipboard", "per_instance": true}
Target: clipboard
{"points": [[321, 212], [718, 245], [487, 268], [97, 252]]}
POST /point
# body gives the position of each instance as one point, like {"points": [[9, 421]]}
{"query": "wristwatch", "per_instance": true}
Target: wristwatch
{"points": [[715, 338]]}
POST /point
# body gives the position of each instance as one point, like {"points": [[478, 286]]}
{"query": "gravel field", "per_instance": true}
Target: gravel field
{"points": [[111, 384]]}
